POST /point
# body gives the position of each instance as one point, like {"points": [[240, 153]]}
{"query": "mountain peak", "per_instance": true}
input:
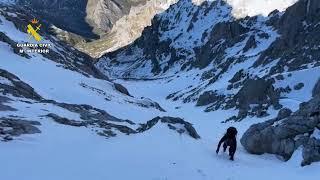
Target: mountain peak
{"points": [[242, 8]]}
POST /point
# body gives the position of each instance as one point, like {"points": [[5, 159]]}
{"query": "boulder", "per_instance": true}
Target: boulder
{"points": [[254, 98], [121, 89], [16, 127], [257, 91], [284, 112], [298, 86], [175, 124], [287, 132], [311, 152], [17, 87]]}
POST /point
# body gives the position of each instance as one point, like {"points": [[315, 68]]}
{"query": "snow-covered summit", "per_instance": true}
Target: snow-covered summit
{"points": [[242, 8]]}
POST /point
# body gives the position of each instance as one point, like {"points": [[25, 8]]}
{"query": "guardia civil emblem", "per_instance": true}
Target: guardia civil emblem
{"points": [[33, 29]]}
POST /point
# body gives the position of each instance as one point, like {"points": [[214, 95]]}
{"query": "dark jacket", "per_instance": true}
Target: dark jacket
{"points": [[229, 139]]}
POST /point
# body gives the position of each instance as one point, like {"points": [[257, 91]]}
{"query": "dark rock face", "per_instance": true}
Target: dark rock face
{"points": [[121, 89], [298, 86], [311, 152], [298, 28], [223, 35], [58, 12], [65, 121], [111, 128], [316, 89], [283, 113], [258, 92], [238, 76], [209, 97], [251, 44], [10, 128], [88, 18], [87, 112], [107, 126], [4, 38], [17, 87], [4, 99], [284, 134], [173, 123]]}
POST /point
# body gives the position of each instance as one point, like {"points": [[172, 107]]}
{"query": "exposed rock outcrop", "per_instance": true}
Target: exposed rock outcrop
{"points": [[311, 151], [254, 98], [11, 84], [298, 28], [10, 128], [4, 38], [285, 133], [251, 44], [173, 123], [3, 107], [209, 97], [121, 89], [257, 91], [316, 89], [112, 128], [298, 86], [87, 112]]}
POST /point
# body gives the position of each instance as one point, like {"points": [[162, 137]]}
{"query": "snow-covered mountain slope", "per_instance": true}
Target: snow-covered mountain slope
{"points": [[77, 153], [64, 86], [220, 58]]}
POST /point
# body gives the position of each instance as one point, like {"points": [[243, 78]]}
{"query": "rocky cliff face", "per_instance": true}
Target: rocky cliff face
{"points": [[126, 28], [58, 12], [108, 23], [83, 17]]}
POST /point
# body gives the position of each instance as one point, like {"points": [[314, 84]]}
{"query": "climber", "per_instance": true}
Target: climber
{"points": [[229, 139]]}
